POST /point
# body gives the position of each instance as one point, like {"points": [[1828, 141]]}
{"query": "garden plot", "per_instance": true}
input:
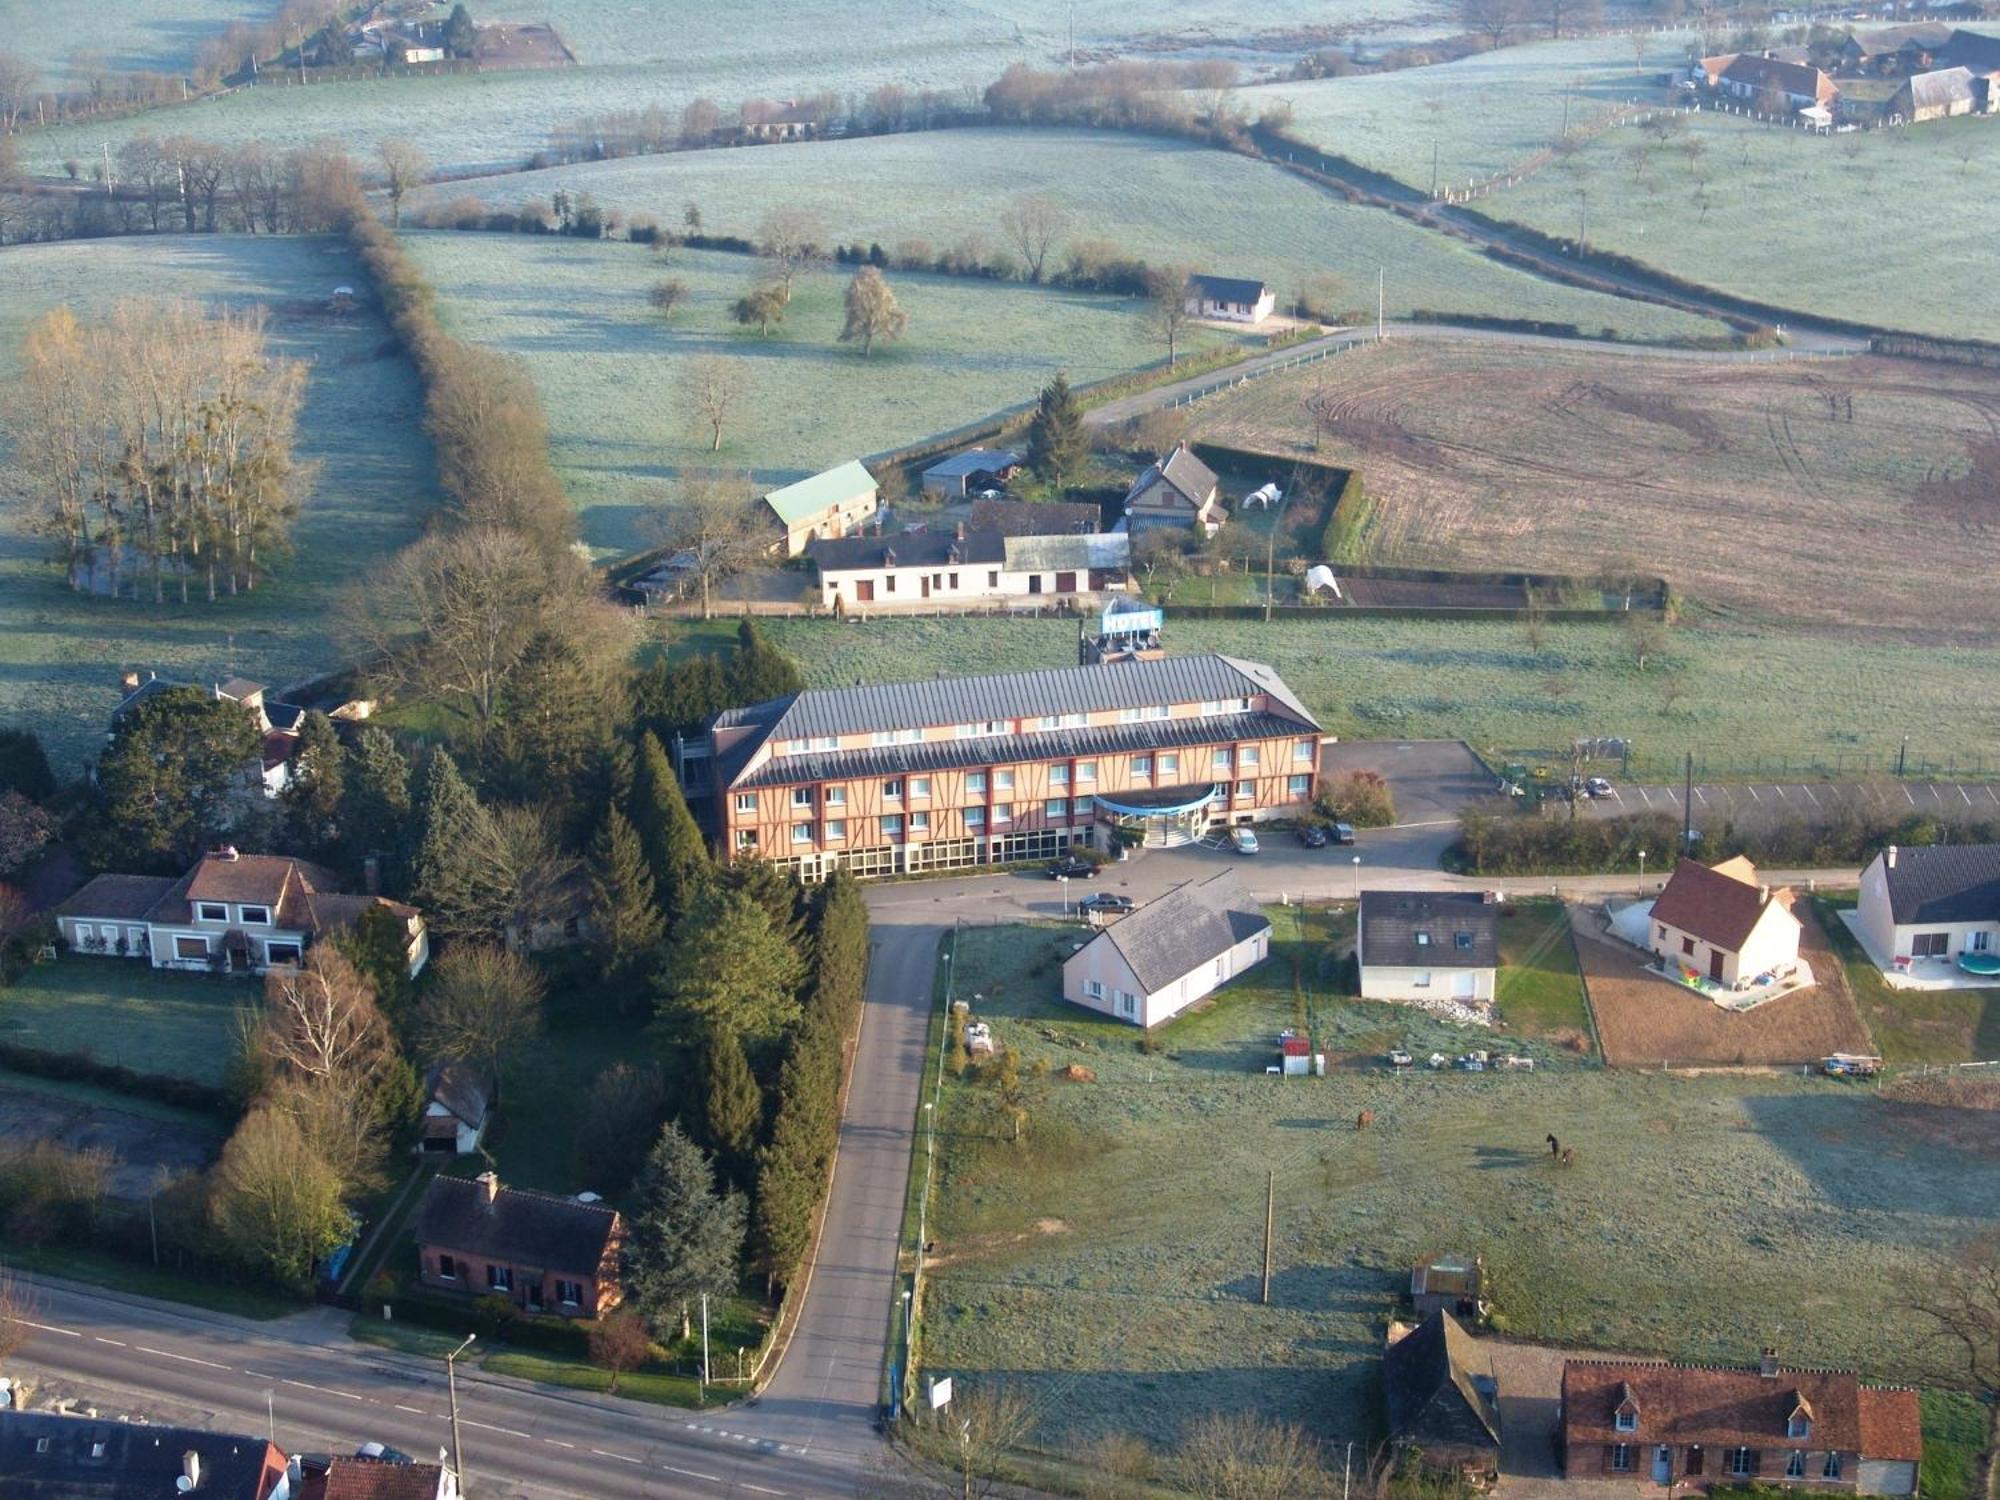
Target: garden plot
{"points": [[1109, 1265], [123, 1012], [1166, 201], [61, 653], [146, 1142]]}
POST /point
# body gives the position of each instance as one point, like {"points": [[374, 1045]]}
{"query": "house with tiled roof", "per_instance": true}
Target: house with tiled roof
{"points": [[1721, 924], [1766, 80], [1440, 1397], [1932, 910], [1702, 1425], [1150, 966], [543, 1253], [1177, 490], [835, 503], [233, 913], [365, 1478]]}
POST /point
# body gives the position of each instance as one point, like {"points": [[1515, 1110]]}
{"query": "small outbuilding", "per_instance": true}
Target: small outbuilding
{"points": [[970, 472], [1428, 945], [1151, 966], [1440, 1396], [1449, 1282], [457, 1104], [832, 504], [1178, 490]]}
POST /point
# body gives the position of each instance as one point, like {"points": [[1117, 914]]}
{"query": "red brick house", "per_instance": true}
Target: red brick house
{"points": [[1705, 1425], [542, 1253]]}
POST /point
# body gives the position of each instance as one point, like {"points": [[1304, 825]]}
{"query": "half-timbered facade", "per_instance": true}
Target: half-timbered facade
{"points": [[963, 771]]}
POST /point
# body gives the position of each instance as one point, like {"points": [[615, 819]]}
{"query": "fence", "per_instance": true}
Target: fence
{"points": [[1886, 764], [1318, 354]]}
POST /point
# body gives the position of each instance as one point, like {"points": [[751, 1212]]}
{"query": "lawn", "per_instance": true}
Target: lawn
{"points": [[1754, 694], [61, 653], [123, 1012], [136, 1279], [1912, 1026], [1485, 456], [1109, 1264], [544, 1087], [610, 369], [1957, 1428], [1166, 201], [1539, 990], [60, 38]]}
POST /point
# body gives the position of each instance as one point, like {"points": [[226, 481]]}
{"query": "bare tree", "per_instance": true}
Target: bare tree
{"points": [[404, 166], [1033, 223], [713, 388], [666, 297], [321, 1020], [18, 85], [17, 1310], [482, 1004], [620, 1342], [1961, 1304], [1168, 288], [1492, 19], [959, 1453], [715, 523], [1247, 1457], [872, 311], [790, 237]]}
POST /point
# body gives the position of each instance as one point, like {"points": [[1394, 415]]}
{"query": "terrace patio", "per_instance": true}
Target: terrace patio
{"points": [[1941, 973]]}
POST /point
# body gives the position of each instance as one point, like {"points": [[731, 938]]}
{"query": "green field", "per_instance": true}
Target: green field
{"points": [[61, 653], [609, 368], [1754, 696], [159, 36], [123, 1012], [1109, 1264], [1165, 201]]}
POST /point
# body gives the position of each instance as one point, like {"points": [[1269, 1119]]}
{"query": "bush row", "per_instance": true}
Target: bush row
{"points": [[81, 1067]]}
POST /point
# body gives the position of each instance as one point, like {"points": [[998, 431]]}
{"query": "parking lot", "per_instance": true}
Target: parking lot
{"points": [[1431, 780], [1752, 802]]}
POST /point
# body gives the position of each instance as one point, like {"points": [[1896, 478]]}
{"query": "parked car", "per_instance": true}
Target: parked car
{"points": [[1343, 833], [1400, 1059], [1108, 903], [383, 1452], [1243, 840], [1313, 835], [1597, 786], [1075, 866]]}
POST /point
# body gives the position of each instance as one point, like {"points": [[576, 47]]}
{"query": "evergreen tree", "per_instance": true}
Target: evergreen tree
{"points": [[673, 843], [168, 782], [552, 727], [460, 33], [375, 945], [684, 1238], [455, 883], [319, 781], [24, 767], [760, 670], [734, 1103], [678, 697], [625, 923], [779, 893], [792, 1167], [727, 968], [1058, 445], [375, 803]]}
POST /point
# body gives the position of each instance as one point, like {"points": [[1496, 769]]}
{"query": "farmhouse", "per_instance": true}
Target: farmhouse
{"points": [[456, 1110], [55, 1456], [1229, 299], [1700, 1424], [1450, 1283], [1428, 945], [827, 505], [1177, 490], [1719, 923], [1440, 1396], [1149, 967], [278, 723], [1925, 910], [963, 565], [1970, 49], [239, 913], [780, 120], [363, 1478], [960, 771], [1764, 81], [542, 1253], [970, 472]]}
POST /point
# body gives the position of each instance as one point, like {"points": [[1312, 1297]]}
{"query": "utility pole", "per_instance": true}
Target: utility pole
{"points": [[1270, 1213], [271, 1415], [704, 1340], [451, 1384], [1381, 292], [1072, 36], [1687, 809], [1434, 168], [109, 181], [1582, 223], [1346, 1469]]}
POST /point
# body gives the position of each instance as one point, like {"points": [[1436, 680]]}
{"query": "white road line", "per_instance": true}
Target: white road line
{"points": [[623, 1458], [558, 1443], [1966, 795], [1993, 794], [325, 1390], [1753, 794], [186, 1359], [1809, 795], [1700, 796], [759, 1489], [1908, 798], [400, 1407], [1936, 795], [511, 1432], [694, 1473], [116, 1343], [1645, 796], [68, 1333], [1615, 797], [1781, 793], [257, 1374]]}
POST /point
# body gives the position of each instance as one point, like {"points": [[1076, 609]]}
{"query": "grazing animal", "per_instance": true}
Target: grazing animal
{"points": [[1363, 1120], [1554, 1149], [1569, 1156]]}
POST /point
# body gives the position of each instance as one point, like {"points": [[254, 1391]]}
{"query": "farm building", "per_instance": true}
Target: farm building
{"points": [[1439, 1395], [542, 1253], [1932, 911], [1719, 923], [1451, 1283], [1428, 945], [1940, 94], [967, 566], [1178, 490], [1229, 299], [1154, 964], [1704, 1424], [831, 504], [1762, 81], [970, 472]]}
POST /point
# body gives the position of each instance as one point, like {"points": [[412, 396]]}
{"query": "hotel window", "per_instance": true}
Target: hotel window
{"points": [[1245, 705], [1160, 711], [975, 781], [802, 833], [1218, 760], [746, 803], [836, 796], [1075, 721], [1049, 721], [920, 822], [1058, 775], [920, 786], [1245, 790], [1056, 807], [1128, 716], [1142, 766], [1003, 781], [746, 838], [1302, 750], [824, 742], [1082, 805], [892, 826], [1003, 812], [1210, 709], [214, 912], [1086, 771], [1298, 786], [1170, 765], [836, 828], [1250, 757], [892, 791], [802, 796], [975, 817]]}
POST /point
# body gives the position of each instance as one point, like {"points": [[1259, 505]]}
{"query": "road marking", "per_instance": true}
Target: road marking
{"points": [[1908, 798], [1699, 797], [693, 1474], [1809, 795], [759, 1489], [1615, 797], [1935, 795], [558, 1443], [623, 1458], [1966, 795], [1753, 794], [1648, 800], [68, 1333], [400, 1407], [1993, 794], [186, 1359], [329, 1391], [512, 1433], [1781, 793], [119, 1343], [257, 1374]]}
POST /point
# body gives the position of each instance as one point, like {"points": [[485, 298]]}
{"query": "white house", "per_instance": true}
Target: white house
{"points": [[1178, 490], [1428, 945], [1720, 923], [835, 503], [241, 913], [967, 566], [1929, 906], [1229, 299], [1149, 967]]}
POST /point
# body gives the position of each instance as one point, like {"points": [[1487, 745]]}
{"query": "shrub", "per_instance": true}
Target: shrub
{"points": [[1361, 798]]}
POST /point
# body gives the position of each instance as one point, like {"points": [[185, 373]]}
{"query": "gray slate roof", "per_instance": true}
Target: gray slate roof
{"points": [[1753, 72], [1034, 517], [140, 1461], [915, 549], [460, 1088], [974, 461], [1428, 1388], [1016, 695], [1973, 49], [1194, 923], [524, 1228], [1227, 288], [1945, 883], [1181, 472], [1392, 920], [1043, 554]]}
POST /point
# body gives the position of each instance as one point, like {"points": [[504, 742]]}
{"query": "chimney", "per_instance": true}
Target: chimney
{"points": [[1768, 1366], [371, 875], [1763, 894], [1889, 858], [190, 1472], [959, 531], [228, 853], [129, 681], [490, 1181]]}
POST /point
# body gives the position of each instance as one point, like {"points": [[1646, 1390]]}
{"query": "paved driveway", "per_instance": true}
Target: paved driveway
{"points": [[1432, 780]]}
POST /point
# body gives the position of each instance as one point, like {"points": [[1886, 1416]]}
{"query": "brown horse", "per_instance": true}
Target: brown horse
{"points": [[1363, 1120], [1568, 1158]]}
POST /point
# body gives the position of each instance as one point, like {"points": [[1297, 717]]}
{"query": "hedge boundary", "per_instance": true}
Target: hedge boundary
{"points": [[81, 1067]]}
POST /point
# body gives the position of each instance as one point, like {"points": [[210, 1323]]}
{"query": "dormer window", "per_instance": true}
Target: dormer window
{"points": [[1800, 1426], [213, 911], [1423, 940], [1627, 1420]]}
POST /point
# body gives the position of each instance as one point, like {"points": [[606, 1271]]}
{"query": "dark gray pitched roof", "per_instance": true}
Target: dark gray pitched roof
{"points": [[1015, 695], [460, 1088], [914, 549], [124, 897], [1035, 517], [528, 1229], [1392, 921], [1182, 473], [1428, 1388], [974, 461], [1193, 923], [1938, 883], [139, 1461], [1226, 288], [1972, 48], [1753, 72]]}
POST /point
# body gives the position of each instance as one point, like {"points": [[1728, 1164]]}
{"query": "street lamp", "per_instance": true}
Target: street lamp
{"points": [[1063, 881], [1642, 873], [1357, 877], [451, 1384]]}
